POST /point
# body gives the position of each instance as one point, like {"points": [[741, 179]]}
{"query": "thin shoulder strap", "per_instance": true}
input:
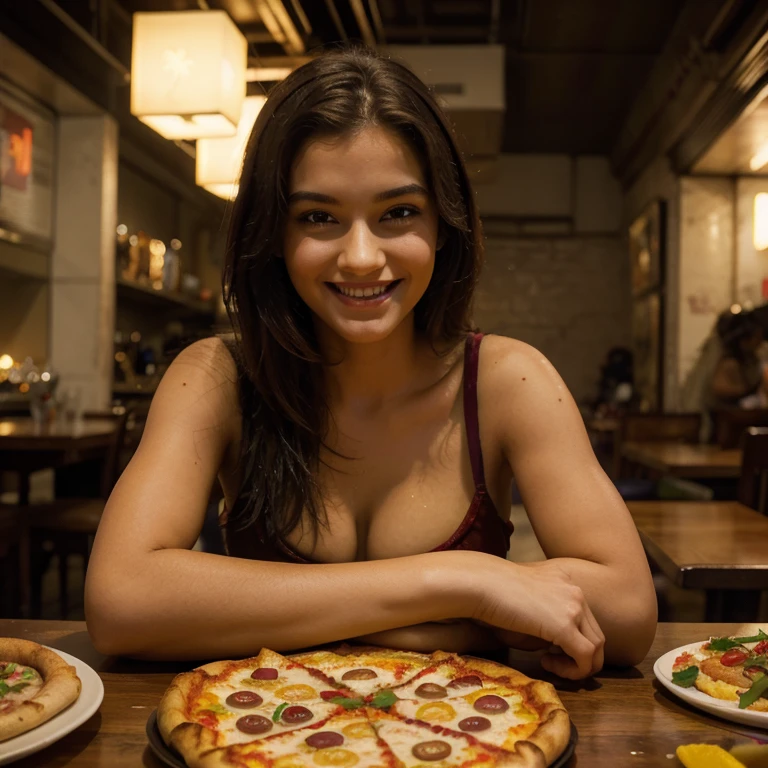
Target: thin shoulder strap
{"points": [[471, 421]]}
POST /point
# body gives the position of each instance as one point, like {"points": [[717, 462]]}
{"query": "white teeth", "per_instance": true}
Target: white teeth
{"points": [[360, 293]]}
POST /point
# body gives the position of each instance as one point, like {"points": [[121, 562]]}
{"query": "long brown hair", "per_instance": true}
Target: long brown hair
{"points": [[282, 396]]}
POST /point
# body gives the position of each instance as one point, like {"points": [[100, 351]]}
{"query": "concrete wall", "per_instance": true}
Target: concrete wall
{"points": [[751, 267], [556, 273]]}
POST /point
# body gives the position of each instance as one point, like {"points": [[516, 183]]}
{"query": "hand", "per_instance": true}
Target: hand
{"points": [[538, 602]]}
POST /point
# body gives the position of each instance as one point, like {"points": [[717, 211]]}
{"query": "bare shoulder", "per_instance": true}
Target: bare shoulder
{"points": [[528, 397], [200, 386]]}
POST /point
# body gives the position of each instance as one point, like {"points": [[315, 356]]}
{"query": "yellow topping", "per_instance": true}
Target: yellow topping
{"points": [[436, 712], [523, 713], [706, 756], [358, 730], [291, 761], [296, 693], [342, 758]]}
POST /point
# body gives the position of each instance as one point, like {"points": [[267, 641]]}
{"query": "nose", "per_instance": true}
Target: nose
{"points": [[361, 252]]}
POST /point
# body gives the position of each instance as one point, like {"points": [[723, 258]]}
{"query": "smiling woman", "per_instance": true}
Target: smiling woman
{"points": [[365, 445]]}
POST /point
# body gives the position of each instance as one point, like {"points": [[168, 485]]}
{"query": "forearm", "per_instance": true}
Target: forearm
{"points": [[623, 603], [185, 604]]}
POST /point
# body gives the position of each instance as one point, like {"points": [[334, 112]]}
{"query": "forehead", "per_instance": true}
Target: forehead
{"points": [[364, 163]]}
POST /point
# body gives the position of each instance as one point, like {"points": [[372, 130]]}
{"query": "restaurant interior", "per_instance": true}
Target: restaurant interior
{"points": [[619, 156]]}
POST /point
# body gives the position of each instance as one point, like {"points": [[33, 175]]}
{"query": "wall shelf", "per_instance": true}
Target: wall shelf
{"points": [[163, 299]]}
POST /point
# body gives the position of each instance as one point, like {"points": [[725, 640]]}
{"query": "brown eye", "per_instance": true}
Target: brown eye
{"points": [[400, 213], [318, 218]]}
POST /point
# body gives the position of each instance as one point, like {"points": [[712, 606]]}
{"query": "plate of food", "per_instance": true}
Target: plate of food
{"points": [[44, 695], [355, 706], [725, 676]]}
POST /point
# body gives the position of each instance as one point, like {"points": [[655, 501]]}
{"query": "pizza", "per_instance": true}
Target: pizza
{"points": [[365, 707], [728, 668], [35, 684]]}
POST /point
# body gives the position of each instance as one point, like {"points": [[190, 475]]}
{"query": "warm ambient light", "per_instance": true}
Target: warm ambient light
{"points": [[266, 74], [760, 159], [188, 73], [760, 225], [6, 362], [218, 161]]}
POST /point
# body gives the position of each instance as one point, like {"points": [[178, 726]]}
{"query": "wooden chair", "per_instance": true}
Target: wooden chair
{"points": [[70, 524], [731, 424], [655, 427], [753, 485]]}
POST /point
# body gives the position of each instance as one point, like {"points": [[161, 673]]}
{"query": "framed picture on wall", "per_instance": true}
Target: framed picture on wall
{"points": [[646, 248]]}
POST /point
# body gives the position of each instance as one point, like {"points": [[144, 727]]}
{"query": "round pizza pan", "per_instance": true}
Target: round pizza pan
{"points": [[169, 757]]}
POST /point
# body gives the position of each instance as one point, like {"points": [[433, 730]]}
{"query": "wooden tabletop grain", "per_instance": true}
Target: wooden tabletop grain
{"points": [[623, 716], [683, 459]]}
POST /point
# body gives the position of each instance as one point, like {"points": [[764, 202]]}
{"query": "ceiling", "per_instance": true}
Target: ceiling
{"points": [[573, 67]]}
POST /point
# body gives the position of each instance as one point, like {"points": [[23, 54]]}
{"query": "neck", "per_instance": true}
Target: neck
{"points": [[368, 376]]}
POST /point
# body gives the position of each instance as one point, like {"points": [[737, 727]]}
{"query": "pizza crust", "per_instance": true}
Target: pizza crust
{"points": [[61, 686]]}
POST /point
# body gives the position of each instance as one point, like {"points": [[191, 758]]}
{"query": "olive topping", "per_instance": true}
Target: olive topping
{"points": [[431, 691], [244, 699], [265, 673], [494, 705], [468, 681], [359, 674], [325, 739], [296, 714], [473, 724], [253, 724], [431, 750]]}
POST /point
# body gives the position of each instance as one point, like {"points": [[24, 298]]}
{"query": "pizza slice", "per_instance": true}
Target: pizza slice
{"points": [[366, 671], [342, 741], [416, 744], [230, 702], [35, 684]]}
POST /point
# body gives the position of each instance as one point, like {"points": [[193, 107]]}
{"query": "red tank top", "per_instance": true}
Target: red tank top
{"points": [[481, 530]]}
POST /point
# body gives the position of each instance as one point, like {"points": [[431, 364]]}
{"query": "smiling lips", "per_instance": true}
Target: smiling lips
{"points": [[358, 294]]}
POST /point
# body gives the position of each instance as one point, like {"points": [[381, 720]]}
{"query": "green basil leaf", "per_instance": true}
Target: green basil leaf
{"points": [[686, 677], [9, 670], [722, 644], [3, 688], [754, 639], [759, 687], [218, 709], [279, 711], [343, 701], [28, 674], [18, 687], [384, 699]]}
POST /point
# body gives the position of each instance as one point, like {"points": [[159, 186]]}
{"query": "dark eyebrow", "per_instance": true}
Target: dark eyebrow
{"points": [[317, 197]]}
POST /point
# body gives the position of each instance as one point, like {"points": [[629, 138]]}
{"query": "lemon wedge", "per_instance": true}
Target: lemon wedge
{"points": [[706, 756]]}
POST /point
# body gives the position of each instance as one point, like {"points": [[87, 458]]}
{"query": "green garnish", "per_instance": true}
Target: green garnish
{"points": [[28, 674], [343, 701], [726, 643], [6, 689], [9, 670], [759, 687], [218, 709], [686, 677], [384, 699], [279, 711]]}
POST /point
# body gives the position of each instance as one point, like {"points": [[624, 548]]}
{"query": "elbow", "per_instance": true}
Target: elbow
{"points": [[109, 620], [635, 636]]}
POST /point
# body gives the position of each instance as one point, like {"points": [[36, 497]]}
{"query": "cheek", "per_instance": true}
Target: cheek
{"points": [[305, 257]]}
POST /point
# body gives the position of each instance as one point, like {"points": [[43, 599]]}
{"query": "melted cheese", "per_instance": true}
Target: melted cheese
{"points": [[442, 675], [27, 677]]}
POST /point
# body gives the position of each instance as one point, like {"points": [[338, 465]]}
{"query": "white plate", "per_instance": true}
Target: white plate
{"points": [[91, 696], [728, 710]]}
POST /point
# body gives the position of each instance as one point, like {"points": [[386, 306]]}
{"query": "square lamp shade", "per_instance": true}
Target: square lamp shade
{"points": [[218, 161], [188, 73]]}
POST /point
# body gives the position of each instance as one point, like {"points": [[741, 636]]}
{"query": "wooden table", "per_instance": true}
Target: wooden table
{"points": [[684, 459], [623, 716], [719, 546], [26, 447]]}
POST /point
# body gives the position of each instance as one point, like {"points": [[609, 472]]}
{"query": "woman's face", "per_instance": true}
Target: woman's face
{"points": [[361, 233]]}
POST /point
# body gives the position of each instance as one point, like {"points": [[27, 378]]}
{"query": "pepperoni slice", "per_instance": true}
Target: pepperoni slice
{"points": [[325, 739], [296, 714], [254, 724], [432, 750], [244, 699], [359, 674], [328, 695], [473, 724], [491, 704], [468, 681], [431, 691], [265, 673]]}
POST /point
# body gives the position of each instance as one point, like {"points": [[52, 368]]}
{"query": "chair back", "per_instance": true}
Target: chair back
{"points": [[753, 485], [648, 427], [732, 423], [111, 463]]}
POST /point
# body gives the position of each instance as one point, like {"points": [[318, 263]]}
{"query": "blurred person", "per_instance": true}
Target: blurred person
{"points": [[364, 439]]}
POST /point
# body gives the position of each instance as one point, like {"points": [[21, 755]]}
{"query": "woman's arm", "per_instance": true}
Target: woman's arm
{"points": [[579, 518]]}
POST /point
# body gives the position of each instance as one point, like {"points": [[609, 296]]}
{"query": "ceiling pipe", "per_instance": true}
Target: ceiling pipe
{"points": [[87, 38]]}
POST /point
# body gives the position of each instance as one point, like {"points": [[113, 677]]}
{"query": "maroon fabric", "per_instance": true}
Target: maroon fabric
{"points": [[482, 529]]}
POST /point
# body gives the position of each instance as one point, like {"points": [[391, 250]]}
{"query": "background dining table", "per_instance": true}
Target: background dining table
{"points": [[26, 446], [623, 716], [684, 460]]}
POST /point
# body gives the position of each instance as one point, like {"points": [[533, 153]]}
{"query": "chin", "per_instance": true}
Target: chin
{"points": [[369, 332]]}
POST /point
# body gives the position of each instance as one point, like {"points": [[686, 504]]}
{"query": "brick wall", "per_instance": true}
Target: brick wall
{"points": [[567, 296]]}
